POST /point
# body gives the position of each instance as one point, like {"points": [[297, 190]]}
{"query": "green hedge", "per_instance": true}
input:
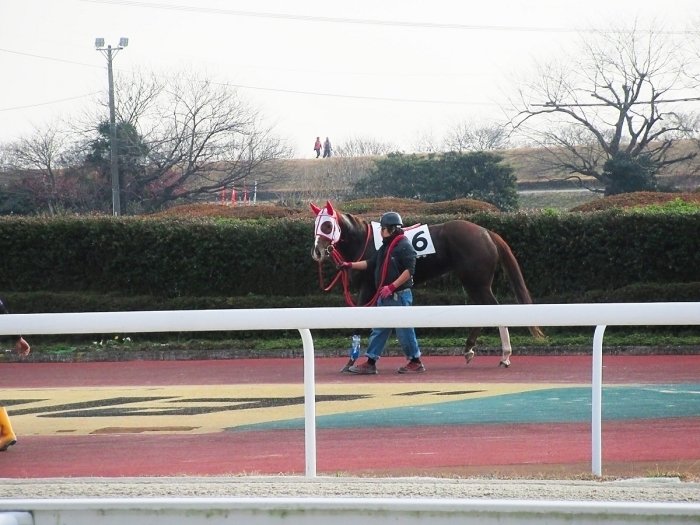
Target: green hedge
{"points": [[568, 254], [149, 257], [574, 253]]}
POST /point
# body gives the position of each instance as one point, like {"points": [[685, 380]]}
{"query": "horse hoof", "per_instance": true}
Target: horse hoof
{"points": [[504, 364], [469, 356]]}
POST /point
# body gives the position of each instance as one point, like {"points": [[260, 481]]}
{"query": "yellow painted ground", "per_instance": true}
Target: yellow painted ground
{"points": [[203, 409]]}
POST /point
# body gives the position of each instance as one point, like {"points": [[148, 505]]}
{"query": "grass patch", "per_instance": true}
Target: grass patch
{"points": [[324, 341], [557, 200]]}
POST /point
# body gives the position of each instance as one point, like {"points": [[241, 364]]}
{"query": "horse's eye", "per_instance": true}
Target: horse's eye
{"points": [[327, 227]]}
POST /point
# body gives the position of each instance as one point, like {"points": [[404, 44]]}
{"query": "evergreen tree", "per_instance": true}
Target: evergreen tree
{"points": [[438, 177]]}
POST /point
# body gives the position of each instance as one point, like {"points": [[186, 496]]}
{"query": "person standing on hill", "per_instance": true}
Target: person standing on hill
{"points": [[327, 148], [7, 436], [317, 147]]}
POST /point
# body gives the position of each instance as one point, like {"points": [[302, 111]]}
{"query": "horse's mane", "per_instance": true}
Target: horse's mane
{"points": [[350, 222], [353, 234]]}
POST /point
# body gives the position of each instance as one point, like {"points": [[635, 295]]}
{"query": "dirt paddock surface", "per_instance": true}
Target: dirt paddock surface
{"points": [[641, 489]]}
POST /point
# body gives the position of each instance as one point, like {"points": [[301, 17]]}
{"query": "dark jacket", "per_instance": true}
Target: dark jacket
{"points": [[402, 257]]}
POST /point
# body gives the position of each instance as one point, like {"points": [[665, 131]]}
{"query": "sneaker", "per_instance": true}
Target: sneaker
{"points": [[363, 369], [412, 368]]}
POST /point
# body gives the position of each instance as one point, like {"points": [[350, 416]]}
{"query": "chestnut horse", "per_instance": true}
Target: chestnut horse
{"points": [[470, 251]]}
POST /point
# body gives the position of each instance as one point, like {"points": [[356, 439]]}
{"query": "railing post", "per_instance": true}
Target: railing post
{"points": [[597, 402], [309, 403]]}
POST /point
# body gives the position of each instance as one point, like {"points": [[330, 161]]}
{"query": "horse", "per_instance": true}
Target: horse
{"points": [[471, 252]]}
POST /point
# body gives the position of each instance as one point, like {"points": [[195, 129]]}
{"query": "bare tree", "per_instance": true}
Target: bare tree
{"points": [[692, 72], [332, 179], [137, 97], [354, 160], [47, 173], [205, 140], [364, 147], [467, 136], [425, 142], [615, 101], [196, 137], [40, 156]]}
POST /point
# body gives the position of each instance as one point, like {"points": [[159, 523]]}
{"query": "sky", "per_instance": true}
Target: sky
{"points": [[396, 71]]}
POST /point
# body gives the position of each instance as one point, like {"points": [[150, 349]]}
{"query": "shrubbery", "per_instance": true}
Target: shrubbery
{"points": [[562, 256], [441, 177]]}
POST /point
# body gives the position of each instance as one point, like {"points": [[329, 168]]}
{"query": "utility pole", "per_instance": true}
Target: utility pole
{"points": [[109, 52]]}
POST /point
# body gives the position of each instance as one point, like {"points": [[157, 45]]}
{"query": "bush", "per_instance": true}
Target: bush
{"points": [[440, 177], [643, 199], [560, 254]]}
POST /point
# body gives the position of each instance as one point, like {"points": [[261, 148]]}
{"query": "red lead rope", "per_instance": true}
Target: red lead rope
{"points": [[343, 275]]}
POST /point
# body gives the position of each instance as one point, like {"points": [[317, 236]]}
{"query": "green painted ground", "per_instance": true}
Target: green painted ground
{"points": [[556, 405]]}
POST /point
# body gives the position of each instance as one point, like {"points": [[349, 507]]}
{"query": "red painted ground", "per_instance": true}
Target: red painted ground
{"points": [[525, 369], [630, 447], [494, 448]]}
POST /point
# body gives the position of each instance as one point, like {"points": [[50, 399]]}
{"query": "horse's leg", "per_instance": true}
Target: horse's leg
{"points": [[505, 346], [485, 296], [470, 343]]}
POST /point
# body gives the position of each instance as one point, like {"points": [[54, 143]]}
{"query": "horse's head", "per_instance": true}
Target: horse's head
{"points": [[326, 231]]}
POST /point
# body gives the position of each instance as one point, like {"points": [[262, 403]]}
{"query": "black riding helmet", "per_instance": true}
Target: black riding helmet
{"points": [[389, 219]]}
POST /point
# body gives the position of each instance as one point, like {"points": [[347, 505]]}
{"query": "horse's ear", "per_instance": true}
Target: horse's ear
{"points": [[329, 208], [315, 208]]}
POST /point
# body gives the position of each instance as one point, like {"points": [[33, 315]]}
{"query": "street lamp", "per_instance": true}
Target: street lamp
{"points": [[110, 52]]}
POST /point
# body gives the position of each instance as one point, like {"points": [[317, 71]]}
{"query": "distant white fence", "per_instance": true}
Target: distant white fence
{"points": [[306, 319]]}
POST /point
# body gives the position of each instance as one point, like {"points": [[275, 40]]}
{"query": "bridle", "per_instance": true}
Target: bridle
{"points": [[328, 226]]}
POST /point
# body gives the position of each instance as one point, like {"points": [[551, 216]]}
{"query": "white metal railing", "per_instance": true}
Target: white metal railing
{"points": [[365, 511], [306, 319]]}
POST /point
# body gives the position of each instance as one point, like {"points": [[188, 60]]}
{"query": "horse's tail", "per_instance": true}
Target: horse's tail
{"points": [[515, 276]]}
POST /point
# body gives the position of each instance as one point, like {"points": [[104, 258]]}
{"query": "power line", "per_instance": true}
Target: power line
{"points": [[358, 21], [43, 57], [359, 97], [257, 88], [51, 102], [603, 104]]}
